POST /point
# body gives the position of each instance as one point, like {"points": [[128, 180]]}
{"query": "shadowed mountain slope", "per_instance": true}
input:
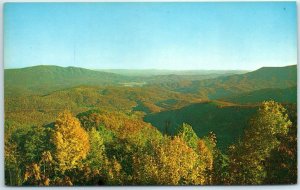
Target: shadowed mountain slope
{"points": [[225, 119]]}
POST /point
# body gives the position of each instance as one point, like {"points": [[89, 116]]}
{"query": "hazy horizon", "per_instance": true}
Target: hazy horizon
{"points": [[145, 69], [145, 36]]}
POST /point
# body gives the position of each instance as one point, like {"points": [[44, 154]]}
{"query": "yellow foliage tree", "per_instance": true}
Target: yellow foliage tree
{"points": [[206, 157], [71, 142], [33, 174], [172, 162]]}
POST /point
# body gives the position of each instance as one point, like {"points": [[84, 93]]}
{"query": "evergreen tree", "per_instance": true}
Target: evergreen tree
{"points": [[187, 133]]}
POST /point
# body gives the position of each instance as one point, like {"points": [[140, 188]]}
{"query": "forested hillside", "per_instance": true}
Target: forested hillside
{"points": [[285, 95], [280, 77], [91, 127], [44, 79], [226, 120]]}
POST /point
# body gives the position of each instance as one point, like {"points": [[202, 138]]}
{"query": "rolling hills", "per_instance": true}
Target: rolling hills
{"points": [[82, 98], [221, 103], [162, 72], [263, 78], [44, 79], [209, 85]]}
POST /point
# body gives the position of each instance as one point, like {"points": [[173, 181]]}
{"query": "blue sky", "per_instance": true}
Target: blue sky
{"points": [[176, 36]]}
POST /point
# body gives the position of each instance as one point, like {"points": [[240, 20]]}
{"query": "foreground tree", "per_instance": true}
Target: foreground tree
{"points": [[96, 156], [168, 162], [187, 133], [22, 151], [71, 142], [12, 164], [248, 158], [92, 171], [281, 166], [216, 161]]}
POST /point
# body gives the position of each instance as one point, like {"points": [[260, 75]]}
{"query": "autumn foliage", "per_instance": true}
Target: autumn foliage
{"points": [[71, 142], [114, 148]]}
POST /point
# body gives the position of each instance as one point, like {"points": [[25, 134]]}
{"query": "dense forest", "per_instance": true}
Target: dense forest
{"points": [[74, 126]]}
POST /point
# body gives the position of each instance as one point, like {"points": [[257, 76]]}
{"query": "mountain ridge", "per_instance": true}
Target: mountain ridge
{"points": [[277, 77], [43, 79]]}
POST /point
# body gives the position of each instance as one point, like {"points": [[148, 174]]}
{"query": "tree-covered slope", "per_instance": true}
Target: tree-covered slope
{"points": [[44, 79], [226, 120], [26, 109], [266, 77], [287, 95], [36, 95], [161, 72]]}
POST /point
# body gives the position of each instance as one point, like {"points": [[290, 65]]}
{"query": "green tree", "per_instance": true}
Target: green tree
{"points": [[21, 151], [248, 157], [12, 164], [36, 144], [281, 165], [220, 171], [216, 161], [187, 133], [96, 155]]}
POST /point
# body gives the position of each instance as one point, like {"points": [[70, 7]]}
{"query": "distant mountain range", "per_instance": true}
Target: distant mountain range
{"points": [[264, 78], [208, 84], [46, 78], [155, 72]]}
